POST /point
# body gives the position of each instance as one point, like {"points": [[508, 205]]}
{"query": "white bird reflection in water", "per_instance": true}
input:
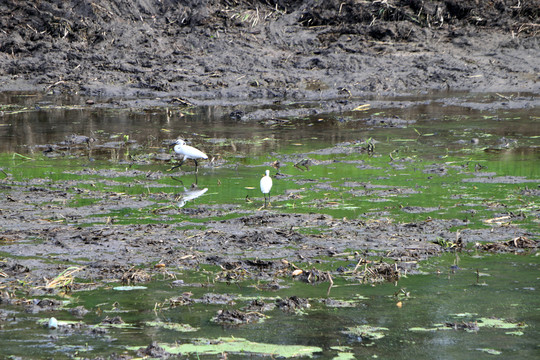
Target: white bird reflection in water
{"points": [[190, 194]]}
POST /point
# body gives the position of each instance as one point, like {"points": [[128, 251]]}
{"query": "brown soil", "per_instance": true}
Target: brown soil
{"points": [[224, 51]]}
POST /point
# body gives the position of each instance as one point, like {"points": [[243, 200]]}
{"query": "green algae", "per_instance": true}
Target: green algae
{"points": [[490, 351], [129, 288], [367, 332], [344, 356], [432, 329], [499, 323], [240, 346], [172, 326], [515, 333]]}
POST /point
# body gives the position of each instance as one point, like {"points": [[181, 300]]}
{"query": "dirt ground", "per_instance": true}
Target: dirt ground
{"points": [[225, 52]]}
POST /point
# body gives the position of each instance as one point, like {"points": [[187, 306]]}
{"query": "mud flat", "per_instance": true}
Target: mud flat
{"points": [[49, 226], [225, 52]]}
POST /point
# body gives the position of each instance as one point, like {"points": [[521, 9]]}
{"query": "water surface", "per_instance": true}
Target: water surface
{"points": [[471, 157]]}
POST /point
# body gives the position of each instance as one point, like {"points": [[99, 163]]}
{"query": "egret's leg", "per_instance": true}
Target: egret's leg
{"points": [[196, 166], [177, 166]]}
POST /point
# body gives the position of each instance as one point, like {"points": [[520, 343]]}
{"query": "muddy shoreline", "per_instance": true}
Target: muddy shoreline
{"points": [[214, 52]]}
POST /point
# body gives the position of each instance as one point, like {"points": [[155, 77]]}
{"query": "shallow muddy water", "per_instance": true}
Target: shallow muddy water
{"points": [[433, 156], [400, 179], [476, 308]]}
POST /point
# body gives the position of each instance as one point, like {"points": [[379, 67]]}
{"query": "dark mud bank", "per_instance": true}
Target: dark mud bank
{"points": [[224, 51]]}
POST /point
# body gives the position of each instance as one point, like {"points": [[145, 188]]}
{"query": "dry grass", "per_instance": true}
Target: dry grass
{"points": [[65, 278]]}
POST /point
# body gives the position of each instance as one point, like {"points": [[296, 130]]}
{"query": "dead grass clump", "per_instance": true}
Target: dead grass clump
{"points": [[517, 244], [64, 279], [314, 276], [134, 276], [377, 272], [237, 317]]}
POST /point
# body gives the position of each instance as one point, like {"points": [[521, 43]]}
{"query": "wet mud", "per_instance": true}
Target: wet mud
{"points": [[223, 52], [43, 239]]}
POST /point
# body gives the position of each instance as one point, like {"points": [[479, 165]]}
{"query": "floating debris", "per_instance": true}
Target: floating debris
{"points": [[172, 326], [490, 351], [182, 300], [339, 303], [237, 317], [78, 311], [38, 305], [259, 305], [219, 299], [293, 303], [467, 326], [135, 276], [129, 288], [375, 272], [64, 279], [117, 320], [366, 332], [153, 351], [313, 276]]}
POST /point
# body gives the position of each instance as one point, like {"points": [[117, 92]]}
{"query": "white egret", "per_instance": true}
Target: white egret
{"points": [[266, 186], [189, 152]]}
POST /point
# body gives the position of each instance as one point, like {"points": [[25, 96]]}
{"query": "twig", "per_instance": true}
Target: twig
{"points": [[358, 265], [53, 85], [22, 156], [504, 97]]}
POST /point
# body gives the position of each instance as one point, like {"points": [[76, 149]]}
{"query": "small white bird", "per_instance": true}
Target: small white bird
{"points": [[53, 323], [266, 186], [189, 152]]}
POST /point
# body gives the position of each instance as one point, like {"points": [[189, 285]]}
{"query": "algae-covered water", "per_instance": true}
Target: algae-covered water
{"points": [[472, 160], [451, 157], [418, 317]]}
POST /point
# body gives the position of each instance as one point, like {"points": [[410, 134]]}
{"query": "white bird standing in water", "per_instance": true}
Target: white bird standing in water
{"points": [[266, 186], [189, 152]]}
